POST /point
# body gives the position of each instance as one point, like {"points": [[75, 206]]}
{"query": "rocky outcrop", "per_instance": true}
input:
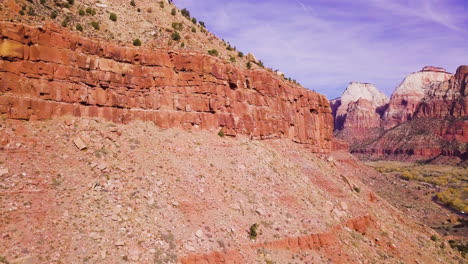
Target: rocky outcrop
{"points": [[47, 72], [410, 92], [447, 99], [346, 105]]}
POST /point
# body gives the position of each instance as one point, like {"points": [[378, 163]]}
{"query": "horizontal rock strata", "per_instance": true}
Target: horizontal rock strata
{"points": [[46, 72]]}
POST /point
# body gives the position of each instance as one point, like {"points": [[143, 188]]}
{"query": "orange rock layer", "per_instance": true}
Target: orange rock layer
{"points": [[47, 72]]}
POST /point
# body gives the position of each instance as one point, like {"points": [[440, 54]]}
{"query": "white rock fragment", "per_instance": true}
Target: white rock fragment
{"points": [[120, 243], [79, 143], [103, 254], [199, 233], [260, 211], [3, 171]]}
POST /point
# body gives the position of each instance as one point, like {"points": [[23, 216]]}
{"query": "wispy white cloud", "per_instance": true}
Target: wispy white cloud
{"points": [[325, 44]]}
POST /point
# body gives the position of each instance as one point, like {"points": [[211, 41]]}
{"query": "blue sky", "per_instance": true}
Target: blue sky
{"points": [[325, 44]]}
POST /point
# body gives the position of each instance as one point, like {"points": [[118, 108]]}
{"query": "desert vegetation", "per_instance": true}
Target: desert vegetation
{"points": [[450, 181]]}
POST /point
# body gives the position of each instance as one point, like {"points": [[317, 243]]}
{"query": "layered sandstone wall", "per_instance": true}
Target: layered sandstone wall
{"points": [[46, 72]]}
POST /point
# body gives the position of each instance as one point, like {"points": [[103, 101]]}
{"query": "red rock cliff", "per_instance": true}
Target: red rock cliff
{"points": [[46, 72]]}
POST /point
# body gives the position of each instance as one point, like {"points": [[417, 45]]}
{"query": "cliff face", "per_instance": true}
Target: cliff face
{"points": [[447, 99], [410, 92], [362, 114], [46, 72]]}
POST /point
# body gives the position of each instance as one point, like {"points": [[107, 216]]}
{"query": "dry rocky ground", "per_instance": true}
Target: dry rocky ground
{"points": [[140, 194]]}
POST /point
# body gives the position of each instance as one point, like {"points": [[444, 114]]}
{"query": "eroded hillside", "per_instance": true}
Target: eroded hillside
{"points": [[141, 194]]}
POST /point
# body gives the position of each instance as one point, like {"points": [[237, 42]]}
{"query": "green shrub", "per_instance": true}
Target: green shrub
{"points": [[90, 11], [173, 11], [31, 11], [177, 26], [176, 36], [132, 3], [232, 58], [95, 25], [136, 42], [240, 54], [202, 24], [194, 20], [113, 17], [221, 133], [213, 52], [53, 15], [79, 27], [229, 47], [66, 21], [21, 12], [249, 65], [194, 30], [434, 238], [81, 12], [253, 231], [71, 2]]}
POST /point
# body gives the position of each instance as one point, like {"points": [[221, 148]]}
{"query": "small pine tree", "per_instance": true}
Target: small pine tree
{"points": [[173, 11], [194, 30], [81, 12], [202, 24], [194, 20], [79, 27], [185, 13], [132, 3], [249, 65], [53, 15], [240, 54]]}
